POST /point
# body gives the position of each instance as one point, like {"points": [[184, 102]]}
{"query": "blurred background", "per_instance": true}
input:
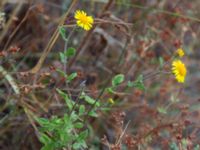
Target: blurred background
{"points": [[130, 37]]}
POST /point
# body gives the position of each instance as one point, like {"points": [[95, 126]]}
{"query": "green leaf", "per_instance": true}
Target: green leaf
{"points": [[74, 117], [48, 147], [117, 79], [89, 99], [161, 62], [80, 144], [68, 124], [162, 110], [68, 78], [64, 138], [77, 145], [44, 138], [71, 76], [42, 121], [92, 113], [184, 143], [56, 121], [83, 135], [70, 52], [197, 147], [61, 73], [81, 110], [62, 57], [110, 90], [78, 125], [173, 146], [68, 101], [62, 32]]}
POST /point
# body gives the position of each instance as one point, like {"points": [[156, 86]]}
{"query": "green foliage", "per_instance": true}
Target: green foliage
{"points": [[89, 99], [67, 131], [81, 110], [197, 147], [110, 90], [70, 52], [62, 32], [138, 83], [162, 110], [67, 99], [62, 73], [68, 78], [174, 146], [61, 132], [92, 113], [118, 79], [62, 57], [184, 143], [71, 77], [161, 61]]}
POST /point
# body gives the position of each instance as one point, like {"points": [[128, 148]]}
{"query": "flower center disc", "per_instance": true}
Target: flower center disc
{"points": [[182, 70]]}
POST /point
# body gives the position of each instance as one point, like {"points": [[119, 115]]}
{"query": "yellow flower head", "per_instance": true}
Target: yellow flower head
{"points": [[180, 52], [111, 101], [83, 21], [179, 70]]}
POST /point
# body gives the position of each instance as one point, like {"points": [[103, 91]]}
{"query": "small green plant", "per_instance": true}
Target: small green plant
{"points": [[59, 132], [69, 130]]}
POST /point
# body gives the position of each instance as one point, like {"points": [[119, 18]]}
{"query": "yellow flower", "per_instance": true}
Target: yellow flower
{"points": [[83, 21], [111, 101], [179, 70], [180, 52]]}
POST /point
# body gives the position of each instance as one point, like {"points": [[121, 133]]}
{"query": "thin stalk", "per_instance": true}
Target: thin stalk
{"points": [[52, 41], [123, 132], [66, 46], [77, 100], [88, 35], [97, 99], [10, 80]]}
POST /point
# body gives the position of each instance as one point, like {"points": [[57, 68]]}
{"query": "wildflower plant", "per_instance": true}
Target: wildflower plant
{"points": [[178, 67], [109, 87], [69, 130]]}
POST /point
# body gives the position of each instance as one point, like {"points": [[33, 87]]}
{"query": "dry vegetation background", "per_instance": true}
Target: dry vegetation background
{"points": [[130, 37]]}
